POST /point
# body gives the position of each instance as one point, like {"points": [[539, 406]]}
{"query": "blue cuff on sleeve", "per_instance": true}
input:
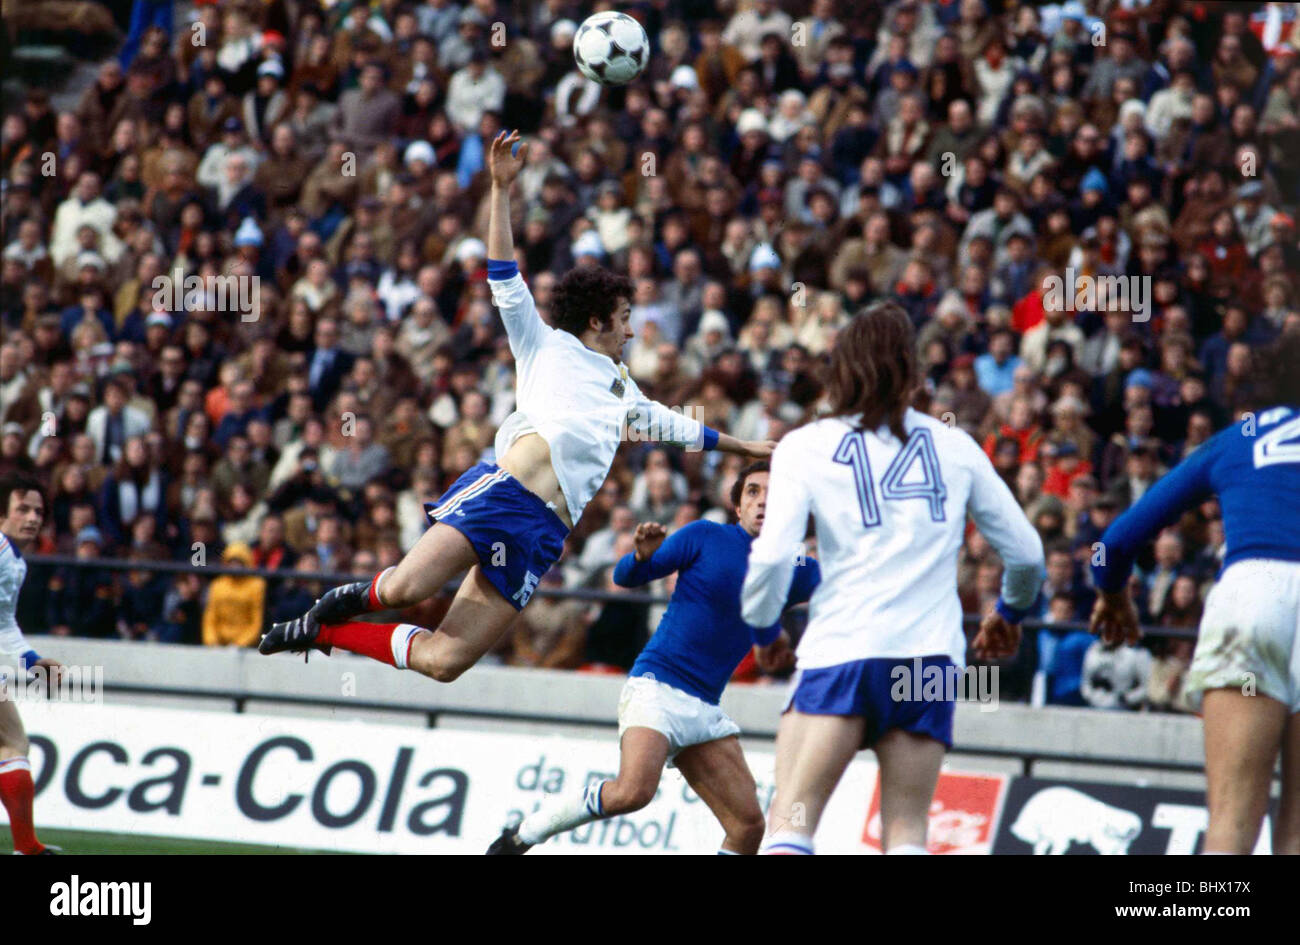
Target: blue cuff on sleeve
{"points": [[710, 439], [1009, 613], [29, 658], [768, 635], [500, 269]]}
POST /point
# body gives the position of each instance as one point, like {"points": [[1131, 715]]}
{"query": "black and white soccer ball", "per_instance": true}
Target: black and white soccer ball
{"points": [[611, 48]]}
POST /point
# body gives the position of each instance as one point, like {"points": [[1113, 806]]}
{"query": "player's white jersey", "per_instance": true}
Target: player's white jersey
{"points": [[890, 521], [13, 571], [577, 399]]}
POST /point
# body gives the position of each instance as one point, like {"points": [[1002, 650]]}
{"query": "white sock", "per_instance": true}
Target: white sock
{"points": [[722, 852], [401, 641], [379, 583], [907, 849], [788, 843], [561, 812]]}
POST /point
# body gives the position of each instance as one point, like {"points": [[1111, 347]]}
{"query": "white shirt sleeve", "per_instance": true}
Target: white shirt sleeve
{"points": [[773, 554], [12, 642], [1001, 520], [651, 421], [524, 326]]}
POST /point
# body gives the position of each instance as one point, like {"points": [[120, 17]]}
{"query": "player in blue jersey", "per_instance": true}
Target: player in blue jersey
{"points": [[668, 712], [1245, 673]]}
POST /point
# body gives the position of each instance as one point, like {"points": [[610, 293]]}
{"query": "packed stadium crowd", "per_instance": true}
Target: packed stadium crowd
{"points": [[306, 183]]}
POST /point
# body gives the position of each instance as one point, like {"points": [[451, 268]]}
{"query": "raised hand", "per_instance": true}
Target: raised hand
{"points": [[502, 164], [649, 536]]}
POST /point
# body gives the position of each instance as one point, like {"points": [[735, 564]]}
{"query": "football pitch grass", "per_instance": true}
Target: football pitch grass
{"points": [[86, 841]]}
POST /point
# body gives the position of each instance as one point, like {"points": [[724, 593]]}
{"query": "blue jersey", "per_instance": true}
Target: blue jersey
{"points": [[702, 638], [1256, 475]]}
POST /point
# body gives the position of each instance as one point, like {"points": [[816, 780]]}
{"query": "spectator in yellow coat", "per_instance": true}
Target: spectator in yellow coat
{"points": [[233, 615]]}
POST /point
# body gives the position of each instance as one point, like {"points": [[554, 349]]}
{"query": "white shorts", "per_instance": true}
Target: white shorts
{"points": [[679, 716], [1250, 634]]}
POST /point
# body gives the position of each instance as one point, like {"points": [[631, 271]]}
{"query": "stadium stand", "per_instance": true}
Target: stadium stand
{"points": [[321, 356]]}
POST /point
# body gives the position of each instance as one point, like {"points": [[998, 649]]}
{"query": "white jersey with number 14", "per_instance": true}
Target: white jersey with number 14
{"points": [[890, 520]]}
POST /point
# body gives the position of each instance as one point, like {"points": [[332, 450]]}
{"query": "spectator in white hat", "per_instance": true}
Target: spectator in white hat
{"points": [[267, 103]]}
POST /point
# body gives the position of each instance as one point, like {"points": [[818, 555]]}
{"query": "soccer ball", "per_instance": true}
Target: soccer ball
{"points": [[611, 48]]}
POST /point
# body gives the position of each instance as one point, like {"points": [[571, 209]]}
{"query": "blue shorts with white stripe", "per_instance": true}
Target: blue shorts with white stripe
{"points": [[516, 536]]}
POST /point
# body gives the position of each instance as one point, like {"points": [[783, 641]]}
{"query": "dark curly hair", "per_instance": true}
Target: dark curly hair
{"points": [[585, 293], [20, 482], [737, 487], [1279, 367]]}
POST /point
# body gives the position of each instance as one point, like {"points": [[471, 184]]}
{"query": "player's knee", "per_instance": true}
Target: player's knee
{"points": [[619, 797], [428, 659], [398, 590], [748, 833], [443, 670], [14, 746]]}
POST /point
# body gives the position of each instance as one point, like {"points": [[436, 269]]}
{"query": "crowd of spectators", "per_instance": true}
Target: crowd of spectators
{"points": [[776, 168]]}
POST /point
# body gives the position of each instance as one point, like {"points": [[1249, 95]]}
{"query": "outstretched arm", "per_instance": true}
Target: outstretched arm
{"points": [[650, 420], [524, 327], [1114, 618], [654, 557], [504, 168]]}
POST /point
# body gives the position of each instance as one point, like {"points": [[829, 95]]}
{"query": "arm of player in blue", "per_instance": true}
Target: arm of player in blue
{"points": [[677, 551], [1184, 487]]}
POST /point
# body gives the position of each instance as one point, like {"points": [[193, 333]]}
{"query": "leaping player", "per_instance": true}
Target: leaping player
{"points": [[22, 500], [506, 524], [1245, 672], [889, 489], [668, 712]]}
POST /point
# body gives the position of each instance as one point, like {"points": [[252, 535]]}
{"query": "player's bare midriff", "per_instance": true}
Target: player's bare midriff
{"points": [[529, 460]]}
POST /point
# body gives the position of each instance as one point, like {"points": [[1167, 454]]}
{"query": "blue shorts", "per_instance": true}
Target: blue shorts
{"points": [[868, 688], [516, 535]]}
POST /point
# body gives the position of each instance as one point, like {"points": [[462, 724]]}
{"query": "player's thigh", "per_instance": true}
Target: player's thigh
{"points": [[909, 771], [643, 752], [718, 773], [474, 623], [13, 737], [1242, 737], [1286, 832], [812, 752], [441, 553]]}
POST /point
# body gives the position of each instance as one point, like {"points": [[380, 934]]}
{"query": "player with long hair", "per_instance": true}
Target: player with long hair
{"points": [[889, 489], [1245, 672], [505, 523]]}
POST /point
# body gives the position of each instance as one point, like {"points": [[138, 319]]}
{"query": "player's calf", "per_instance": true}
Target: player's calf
{"points": [[16, 794]]}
